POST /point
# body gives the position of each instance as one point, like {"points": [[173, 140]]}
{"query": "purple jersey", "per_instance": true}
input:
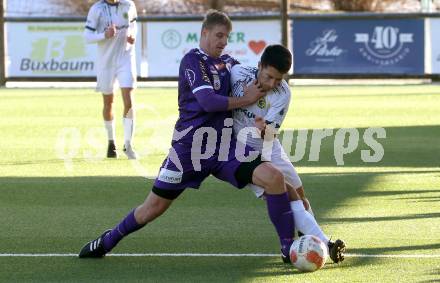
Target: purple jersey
{"points": [[204, 87], [201, 79]]}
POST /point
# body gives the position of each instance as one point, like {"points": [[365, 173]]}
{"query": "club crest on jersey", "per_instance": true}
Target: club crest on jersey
{"points": [[125, 15], [261, 103], [216, 77]]}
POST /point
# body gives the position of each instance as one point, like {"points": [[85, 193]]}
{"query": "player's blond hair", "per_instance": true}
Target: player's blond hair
{"points": [[215, 18]]}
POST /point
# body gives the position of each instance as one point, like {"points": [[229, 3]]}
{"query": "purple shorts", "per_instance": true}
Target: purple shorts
{"points": [[180, 171]]}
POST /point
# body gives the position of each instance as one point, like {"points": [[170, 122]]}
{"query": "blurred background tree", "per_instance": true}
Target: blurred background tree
{"points": [[365, 5], [199, 7]]}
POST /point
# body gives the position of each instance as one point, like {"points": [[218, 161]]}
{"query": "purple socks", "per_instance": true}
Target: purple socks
{"points": [[278, 208], [280, 214], [128, 225]]}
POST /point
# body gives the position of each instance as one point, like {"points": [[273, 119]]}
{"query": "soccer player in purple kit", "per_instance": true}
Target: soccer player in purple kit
{"points": [[205, 125]]}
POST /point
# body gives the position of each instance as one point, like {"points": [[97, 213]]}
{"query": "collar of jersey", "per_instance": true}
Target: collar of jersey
{"points": [[112, 4], [204, 53]]}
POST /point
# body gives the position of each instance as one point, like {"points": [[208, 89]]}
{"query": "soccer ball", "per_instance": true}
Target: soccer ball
{"points": [[308, 253]]}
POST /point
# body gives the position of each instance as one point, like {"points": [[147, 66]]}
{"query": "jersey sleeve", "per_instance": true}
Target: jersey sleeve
{"points": [[90, 32], [278, 109], [237, 84], [234, 62], [196, 74], [133, 19], [197, 78], [92, 19]]}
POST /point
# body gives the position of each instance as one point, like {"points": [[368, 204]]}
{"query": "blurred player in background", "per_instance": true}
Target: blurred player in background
{"points": [[267, 115], [112, 25]]}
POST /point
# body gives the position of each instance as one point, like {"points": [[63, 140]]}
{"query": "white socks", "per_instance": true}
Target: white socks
{"points": [[305, 222], [128, 131], [110, 128], [128, 124]]}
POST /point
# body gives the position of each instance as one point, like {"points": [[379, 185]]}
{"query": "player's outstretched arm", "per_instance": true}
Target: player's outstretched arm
{"points": [[211, 102]]}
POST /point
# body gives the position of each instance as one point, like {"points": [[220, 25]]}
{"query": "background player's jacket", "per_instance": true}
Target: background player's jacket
{"points": [[272, 107]]}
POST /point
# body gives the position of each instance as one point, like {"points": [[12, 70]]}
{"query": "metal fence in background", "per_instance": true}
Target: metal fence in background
{"points": [[351, 45]]}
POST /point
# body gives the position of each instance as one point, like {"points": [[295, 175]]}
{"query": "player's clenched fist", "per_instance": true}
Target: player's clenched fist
{"points": [[130, 39], [110, 31], [266, 131], [253, 91]]}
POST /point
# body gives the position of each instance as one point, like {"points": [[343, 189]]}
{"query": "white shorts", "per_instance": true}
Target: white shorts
{"points": [[125, 74], [281, 161]]}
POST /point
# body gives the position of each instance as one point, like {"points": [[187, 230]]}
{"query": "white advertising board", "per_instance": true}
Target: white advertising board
{"points": [[168, 42], [435, 45], [50, 50]]}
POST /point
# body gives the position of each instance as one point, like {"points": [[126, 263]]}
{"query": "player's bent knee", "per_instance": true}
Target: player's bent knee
{"points": [[270, 178], [277, 181]]}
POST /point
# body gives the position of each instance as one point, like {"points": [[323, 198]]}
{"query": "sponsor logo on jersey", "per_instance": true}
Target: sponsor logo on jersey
{"points": [[169, 176], [246, 112], [204, 74], [190, 76]]}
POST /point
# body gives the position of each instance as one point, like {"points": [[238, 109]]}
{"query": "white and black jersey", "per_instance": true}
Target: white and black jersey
{"points": [[104, 14], [272, 107]]}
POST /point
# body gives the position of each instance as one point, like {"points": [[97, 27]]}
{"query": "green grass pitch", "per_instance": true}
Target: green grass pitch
{"points": [[57, 191]]}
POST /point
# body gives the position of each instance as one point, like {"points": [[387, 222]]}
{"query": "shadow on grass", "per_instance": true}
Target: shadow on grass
{"points": [[376, 219], [61, 214], [385, 250], [435, 274], [143, 269], [41, 161]]}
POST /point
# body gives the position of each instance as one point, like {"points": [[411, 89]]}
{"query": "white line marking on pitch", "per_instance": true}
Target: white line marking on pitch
{"points": [[212, 255]]}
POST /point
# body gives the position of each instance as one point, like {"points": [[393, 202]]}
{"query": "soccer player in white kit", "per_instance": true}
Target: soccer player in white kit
{"points": [[112, 25], [256, 125]]}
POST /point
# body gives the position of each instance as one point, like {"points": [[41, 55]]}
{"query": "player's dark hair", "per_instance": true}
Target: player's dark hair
{"points": [[277, 56], [214, 18]]}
